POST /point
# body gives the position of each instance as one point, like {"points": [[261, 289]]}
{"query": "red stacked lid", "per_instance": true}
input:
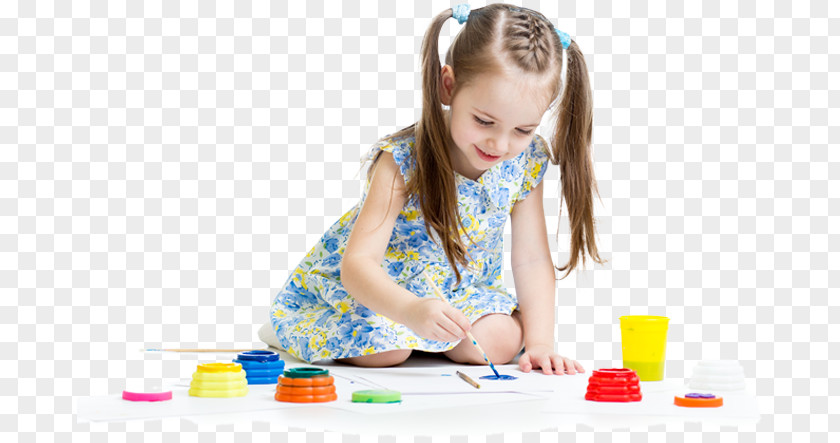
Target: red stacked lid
{"points": [[617, 385]]}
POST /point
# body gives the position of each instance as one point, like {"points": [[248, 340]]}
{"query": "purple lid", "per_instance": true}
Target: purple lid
{"points": [[696, 395]]}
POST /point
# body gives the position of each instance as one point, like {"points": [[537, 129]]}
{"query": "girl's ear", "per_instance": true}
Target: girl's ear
{"points": [[447, 84]]}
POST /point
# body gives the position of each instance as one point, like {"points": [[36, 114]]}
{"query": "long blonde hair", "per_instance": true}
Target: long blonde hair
{"points": [[494, 38]]}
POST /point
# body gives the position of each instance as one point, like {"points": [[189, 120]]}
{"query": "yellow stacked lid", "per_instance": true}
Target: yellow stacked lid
{"points": [[219, 380]]}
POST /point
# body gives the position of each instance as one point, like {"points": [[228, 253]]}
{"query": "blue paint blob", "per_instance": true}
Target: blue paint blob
{"points": [[500, 377]]}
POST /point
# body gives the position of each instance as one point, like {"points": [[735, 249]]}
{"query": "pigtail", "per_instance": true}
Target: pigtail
{"points": [[571, 150], [433, 185]]}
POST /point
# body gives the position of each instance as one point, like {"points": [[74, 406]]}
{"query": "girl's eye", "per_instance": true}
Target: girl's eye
{"points": [[484, 123]]}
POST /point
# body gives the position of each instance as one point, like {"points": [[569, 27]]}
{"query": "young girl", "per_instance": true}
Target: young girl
{"points": [[437, 197]]}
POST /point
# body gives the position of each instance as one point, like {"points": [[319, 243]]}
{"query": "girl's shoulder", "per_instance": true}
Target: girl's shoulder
{"points": [[538, 149], [528, 169], [400, 146], [396, 139], [535, 156]]}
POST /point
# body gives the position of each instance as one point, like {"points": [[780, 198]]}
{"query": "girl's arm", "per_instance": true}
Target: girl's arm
{"points": [[533, 273], [361, 269]]}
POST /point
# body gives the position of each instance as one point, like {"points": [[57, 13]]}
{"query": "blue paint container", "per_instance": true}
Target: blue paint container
{"points": [[261, 367]]}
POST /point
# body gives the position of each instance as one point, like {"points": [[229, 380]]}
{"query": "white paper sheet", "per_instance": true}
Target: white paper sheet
{"points": [[444, 380]]}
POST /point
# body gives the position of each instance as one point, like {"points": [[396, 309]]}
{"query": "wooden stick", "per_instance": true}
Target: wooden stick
{"points": [[467, 379], [199, 350], [469, 335]]}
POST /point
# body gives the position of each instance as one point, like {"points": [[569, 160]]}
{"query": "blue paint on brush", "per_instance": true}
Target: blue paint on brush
{"points": [[494, 369], [487, 360]]}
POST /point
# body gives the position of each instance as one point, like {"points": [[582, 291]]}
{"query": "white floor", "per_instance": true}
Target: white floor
{"points": [[434, 402]]}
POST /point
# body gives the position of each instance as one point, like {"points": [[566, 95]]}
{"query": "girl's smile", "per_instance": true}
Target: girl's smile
{"points": [[485, 156]]}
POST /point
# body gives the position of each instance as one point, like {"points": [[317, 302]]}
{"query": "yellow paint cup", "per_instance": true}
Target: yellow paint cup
{"points": [[643, 340]]}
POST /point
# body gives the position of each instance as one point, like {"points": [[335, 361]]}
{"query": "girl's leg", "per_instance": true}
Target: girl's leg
{"points": [[381, 360], [266, 334], [500, 336]]}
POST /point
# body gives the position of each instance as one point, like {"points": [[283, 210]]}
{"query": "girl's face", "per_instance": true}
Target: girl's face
{"points": [[491, 120]]}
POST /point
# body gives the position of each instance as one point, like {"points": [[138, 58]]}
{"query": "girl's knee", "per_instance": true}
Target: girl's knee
{"points": [[380, 360], [504, 339], [499, 335]]}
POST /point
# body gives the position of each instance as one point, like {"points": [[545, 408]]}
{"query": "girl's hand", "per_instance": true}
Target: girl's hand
{"points": [[544, 357], [436, 320]]}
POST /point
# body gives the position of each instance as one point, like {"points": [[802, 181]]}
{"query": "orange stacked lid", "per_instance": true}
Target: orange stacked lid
{"points": [[306, 385], [614, 385]]}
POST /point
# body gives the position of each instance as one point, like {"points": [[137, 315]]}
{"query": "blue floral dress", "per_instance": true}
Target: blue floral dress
{"points": [[315, 318]]}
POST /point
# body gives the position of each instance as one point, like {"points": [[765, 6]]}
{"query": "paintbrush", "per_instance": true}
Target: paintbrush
{"points": [[197, 350], [469, 335], [467, 379]]}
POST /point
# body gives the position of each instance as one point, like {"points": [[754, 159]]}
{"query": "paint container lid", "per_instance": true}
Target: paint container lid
{"points": [[249, 365], [614, 376], [306, 398], [262, 380], [698, 401], [306, 390], [263, 373], [305, 372], [219, 380], [707, 385], [147, 396], [217, 393], [312, 381], [214, 377], [260, 367], [614, 385], [717, 375], [258, 356], [219, 367], [315, 389], [377, 396]]}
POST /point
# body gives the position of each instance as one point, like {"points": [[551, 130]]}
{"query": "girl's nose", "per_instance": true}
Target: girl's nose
{"points": [[498, 145]]}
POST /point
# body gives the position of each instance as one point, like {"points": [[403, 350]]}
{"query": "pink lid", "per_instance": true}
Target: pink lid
{"points": [[147, 396]]}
